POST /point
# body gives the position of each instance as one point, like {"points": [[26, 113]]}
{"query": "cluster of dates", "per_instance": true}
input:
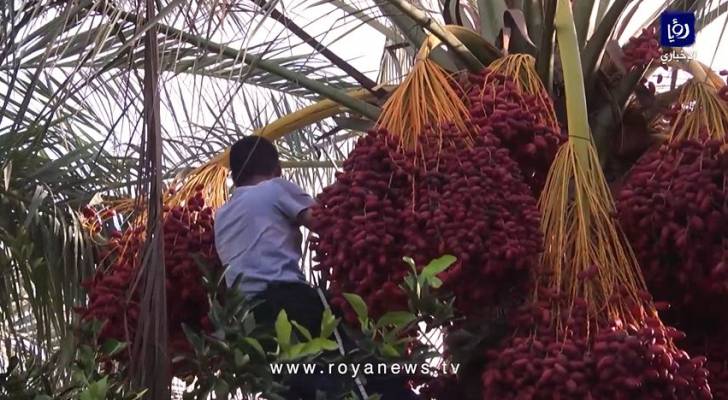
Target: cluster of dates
{"points": [[591, 359], [523, 123], [457, 194], [674, 209], [188, 247]]}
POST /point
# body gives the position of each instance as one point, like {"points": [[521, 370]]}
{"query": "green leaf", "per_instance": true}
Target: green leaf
{"points": [[395, 318], [327, 344], [7, 173], [355, 12], [410, 282], [67, 351], [294, 351], [310, 348], [96, 390], [283, 330], [305, 332], [583, 10], [255, 344], [79, 378], [248, 323], [197, 342], [596, 44], [437, 266], [86, 357], [435, 282], [359, 306], [328, 91], [389, 351], [240, 358], [491, 18], [38, 198], [316, 346], [328, 323], [112, 347]]}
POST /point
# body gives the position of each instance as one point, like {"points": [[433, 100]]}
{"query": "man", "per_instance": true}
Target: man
{"points": [[257, 235]]}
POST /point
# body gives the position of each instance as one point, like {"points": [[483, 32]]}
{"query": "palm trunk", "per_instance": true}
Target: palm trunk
{"points": [[150, 363]]}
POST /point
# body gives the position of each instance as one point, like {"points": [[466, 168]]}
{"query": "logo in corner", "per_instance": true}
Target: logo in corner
{"points": [[677, 29]]}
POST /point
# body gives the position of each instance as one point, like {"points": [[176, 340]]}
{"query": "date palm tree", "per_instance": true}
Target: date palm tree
{"points": [[105, 99]]}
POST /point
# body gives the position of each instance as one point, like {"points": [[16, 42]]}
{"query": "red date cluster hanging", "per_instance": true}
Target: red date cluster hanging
{"points": [[673, 208], [188, 239], [359, 234], [520, 121], [471, 202], [461, 196], [713, 343], [615, 363], [641, 50]]}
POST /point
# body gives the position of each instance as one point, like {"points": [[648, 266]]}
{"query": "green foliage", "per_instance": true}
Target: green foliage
{"points": [[360, 308], [238, 353], [45, 252], [387, 336], [88, 375], [436, 310]]}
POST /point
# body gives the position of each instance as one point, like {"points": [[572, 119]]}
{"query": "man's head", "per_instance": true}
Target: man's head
{"points": [[253, 159]]}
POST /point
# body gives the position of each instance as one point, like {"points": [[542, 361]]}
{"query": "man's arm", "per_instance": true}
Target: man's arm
{"points": [[294, 203], [305, 218]]}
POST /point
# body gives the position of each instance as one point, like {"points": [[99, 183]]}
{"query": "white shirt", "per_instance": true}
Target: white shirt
{"points": [[257, 234]]}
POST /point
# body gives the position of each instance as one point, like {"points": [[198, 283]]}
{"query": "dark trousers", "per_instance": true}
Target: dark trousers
{"points": [[303, 305]]}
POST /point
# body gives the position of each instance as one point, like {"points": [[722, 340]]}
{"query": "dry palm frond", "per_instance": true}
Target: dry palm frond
{"points": [[586, 254], [702, 114], [313, 113], [210, 178], [522, 69], [428, 98]]}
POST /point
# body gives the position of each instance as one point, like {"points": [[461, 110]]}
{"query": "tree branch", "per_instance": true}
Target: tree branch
{"points": [[443, 34], [368, 110], [321, 48]]}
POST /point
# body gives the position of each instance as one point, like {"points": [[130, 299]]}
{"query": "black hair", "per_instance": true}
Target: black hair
{"points": [[252, 156]]}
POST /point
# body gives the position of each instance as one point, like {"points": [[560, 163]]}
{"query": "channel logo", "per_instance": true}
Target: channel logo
{"points": [[677, 29]]}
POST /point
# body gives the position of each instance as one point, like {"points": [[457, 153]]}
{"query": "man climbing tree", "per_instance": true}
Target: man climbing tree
{"points": [[258, 237]]}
